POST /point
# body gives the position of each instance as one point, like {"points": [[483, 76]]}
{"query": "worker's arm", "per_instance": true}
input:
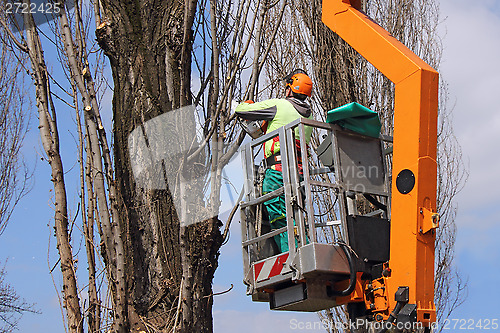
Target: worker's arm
{"points": [[265, 110]]}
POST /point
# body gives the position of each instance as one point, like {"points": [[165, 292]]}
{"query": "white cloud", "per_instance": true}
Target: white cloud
{"points": [[472, 68]]}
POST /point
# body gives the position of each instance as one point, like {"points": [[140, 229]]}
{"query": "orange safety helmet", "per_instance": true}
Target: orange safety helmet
{"points": [[299, 82]]}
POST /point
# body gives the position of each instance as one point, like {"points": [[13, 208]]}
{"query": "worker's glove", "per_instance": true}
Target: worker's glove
{"points": [[234, 104]]}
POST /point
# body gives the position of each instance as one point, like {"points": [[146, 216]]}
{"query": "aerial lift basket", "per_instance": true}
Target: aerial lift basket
{"points": [[322, 252]]}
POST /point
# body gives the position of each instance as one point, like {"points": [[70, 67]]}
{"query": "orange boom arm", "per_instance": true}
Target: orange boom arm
{"points": [[414, 173]]}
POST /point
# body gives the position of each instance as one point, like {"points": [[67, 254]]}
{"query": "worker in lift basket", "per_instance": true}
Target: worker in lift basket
{"points": [[278, 113]]}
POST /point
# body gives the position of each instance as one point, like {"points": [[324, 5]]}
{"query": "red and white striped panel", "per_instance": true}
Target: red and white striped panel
{"points": [[269, 268]]}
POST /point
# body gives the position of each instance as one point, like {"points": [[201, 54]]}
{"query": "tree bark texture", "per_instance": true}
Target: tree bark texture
{"points": [[149, 45]]}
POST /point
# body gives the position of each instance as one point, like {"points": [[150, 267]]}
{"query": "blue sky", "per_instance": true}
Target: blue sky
{"points": [[470, 65]]}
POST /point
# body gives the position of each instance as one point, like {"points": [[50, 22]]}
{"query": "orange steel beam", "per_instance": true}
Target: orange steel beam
{"points": [[415, 136]]}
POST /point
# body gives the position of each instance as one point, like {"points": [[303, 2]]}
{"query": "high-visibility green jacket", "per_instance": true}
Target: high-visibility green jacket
{"points": [[278, 113]]}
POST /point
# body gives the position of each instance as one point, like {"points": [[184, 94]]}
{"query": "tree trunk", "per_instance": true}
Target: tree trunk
{"points": [[150, 56]]}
